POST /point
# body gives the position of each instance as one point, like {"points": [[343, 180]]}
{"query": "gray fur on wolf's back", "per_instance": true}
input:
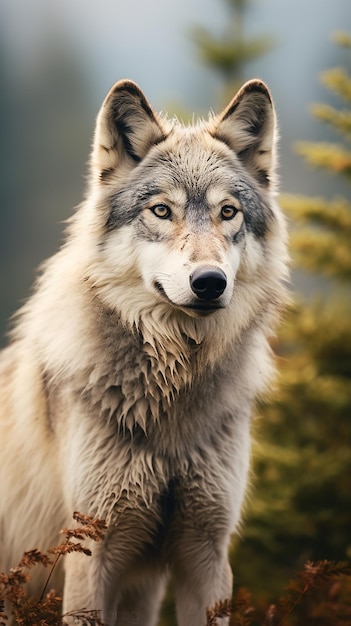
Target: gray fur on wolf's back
{"points": [[128, 384]]}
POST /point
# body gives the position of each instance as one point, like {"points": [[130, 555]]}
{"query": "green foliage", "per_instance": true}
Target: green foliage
{"points": [[338, 81], [333, 157], [330, 156], [229, 52], [342, 39], [341, 120], [301, 505], [323, 243]]}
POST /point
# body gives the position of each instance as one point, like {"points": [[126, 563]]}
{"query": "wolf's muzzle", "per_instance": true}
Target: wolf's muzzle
{"points": [[208, 283]]}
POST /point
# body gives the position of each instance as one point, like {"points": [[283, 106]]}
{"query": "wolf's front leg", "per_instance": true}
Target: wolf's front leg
{"points": [[202, 577], [81, 589], [120, 580]]}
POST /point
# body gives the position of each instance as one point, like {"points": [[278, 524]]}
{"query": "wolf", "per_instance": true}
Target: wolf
{"points": [[128, 383]]}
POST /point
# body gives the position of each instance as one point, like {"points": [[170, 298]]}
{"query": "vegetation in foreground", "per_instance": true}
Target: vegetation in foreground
{"points": [[319, 594]]}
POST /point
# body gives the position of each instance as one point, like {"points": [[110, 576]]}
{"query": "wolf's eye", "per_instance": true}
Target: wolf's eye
{"points": [[228, 212], [162, 211]]}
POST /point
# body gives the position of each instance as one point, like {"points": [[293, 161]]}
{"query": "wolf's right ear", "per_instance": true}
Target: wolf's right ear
{"points": [[126, 129]]}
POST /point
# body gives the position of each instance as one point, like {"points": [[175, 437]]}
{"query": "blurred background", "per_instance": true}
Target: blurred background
{"points": [[57, 61]]}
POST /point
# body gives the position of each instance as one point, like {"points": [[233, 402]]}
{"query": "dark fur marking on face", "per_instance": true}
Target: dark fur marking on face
{"points": [[144, 231], [240, 235], [126, 204], [197, 213], [185, 242], [257, 213], [122, 212]]}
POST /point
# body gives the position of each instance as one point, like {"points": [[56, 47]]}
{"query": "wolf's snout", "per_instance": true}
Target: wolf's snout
{"points": [[208, 284]]}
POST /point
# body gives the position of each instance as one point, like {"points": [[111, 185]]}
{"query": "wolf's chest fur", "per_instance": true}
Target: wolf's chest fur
{"points": [[152, 407], [142, 387], [138, 384]]}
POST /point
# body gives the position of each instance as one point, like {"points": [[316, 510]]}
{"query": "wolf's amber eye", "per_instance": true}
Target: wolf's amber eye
{"points": [[162, 211], [228, 212]]}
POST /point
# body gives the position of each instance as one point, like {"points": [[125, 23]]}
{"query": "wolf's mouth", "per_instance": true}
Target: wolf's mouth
{"points": [[202, 308]]}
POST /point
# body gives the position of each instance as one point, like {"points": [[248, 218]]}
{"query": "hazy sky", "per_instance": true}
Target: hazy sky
{"points": [[148, 40]]}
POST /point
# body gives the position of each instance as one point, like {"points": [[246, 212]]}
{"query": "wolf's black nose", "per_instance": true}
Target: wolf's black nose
{"points": [[208, 284]]}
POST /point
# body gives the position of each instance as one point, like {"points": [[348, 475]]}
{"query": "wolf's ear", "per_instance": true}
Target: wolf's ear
{"points": [[126, 129], [247, 126]]}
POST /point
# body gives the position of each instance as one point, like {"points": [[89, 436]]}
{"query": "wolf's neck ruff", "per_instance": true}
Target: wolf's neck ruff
{"points": [[160, 361]]}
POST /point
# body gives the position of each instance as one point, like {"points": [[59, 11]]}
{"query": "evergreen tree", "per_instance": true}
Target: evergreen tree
{"points": [[301, 506], [229, 52]]}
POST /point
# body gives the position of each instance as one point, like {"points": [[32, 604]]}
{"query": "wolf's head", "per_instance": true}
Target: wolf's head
{"points": [[184, 212]]}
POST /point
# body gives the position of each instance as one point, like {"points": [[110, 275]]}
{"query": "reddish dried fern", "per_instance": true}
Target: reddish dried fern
{"points": [[45, 611], [319, 594], [220, 609]]}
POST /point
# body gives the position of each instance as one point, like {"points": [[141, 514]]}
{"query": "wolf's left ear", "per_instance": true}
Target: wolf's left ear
{"points": [[247, 126], [126, 129]]}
